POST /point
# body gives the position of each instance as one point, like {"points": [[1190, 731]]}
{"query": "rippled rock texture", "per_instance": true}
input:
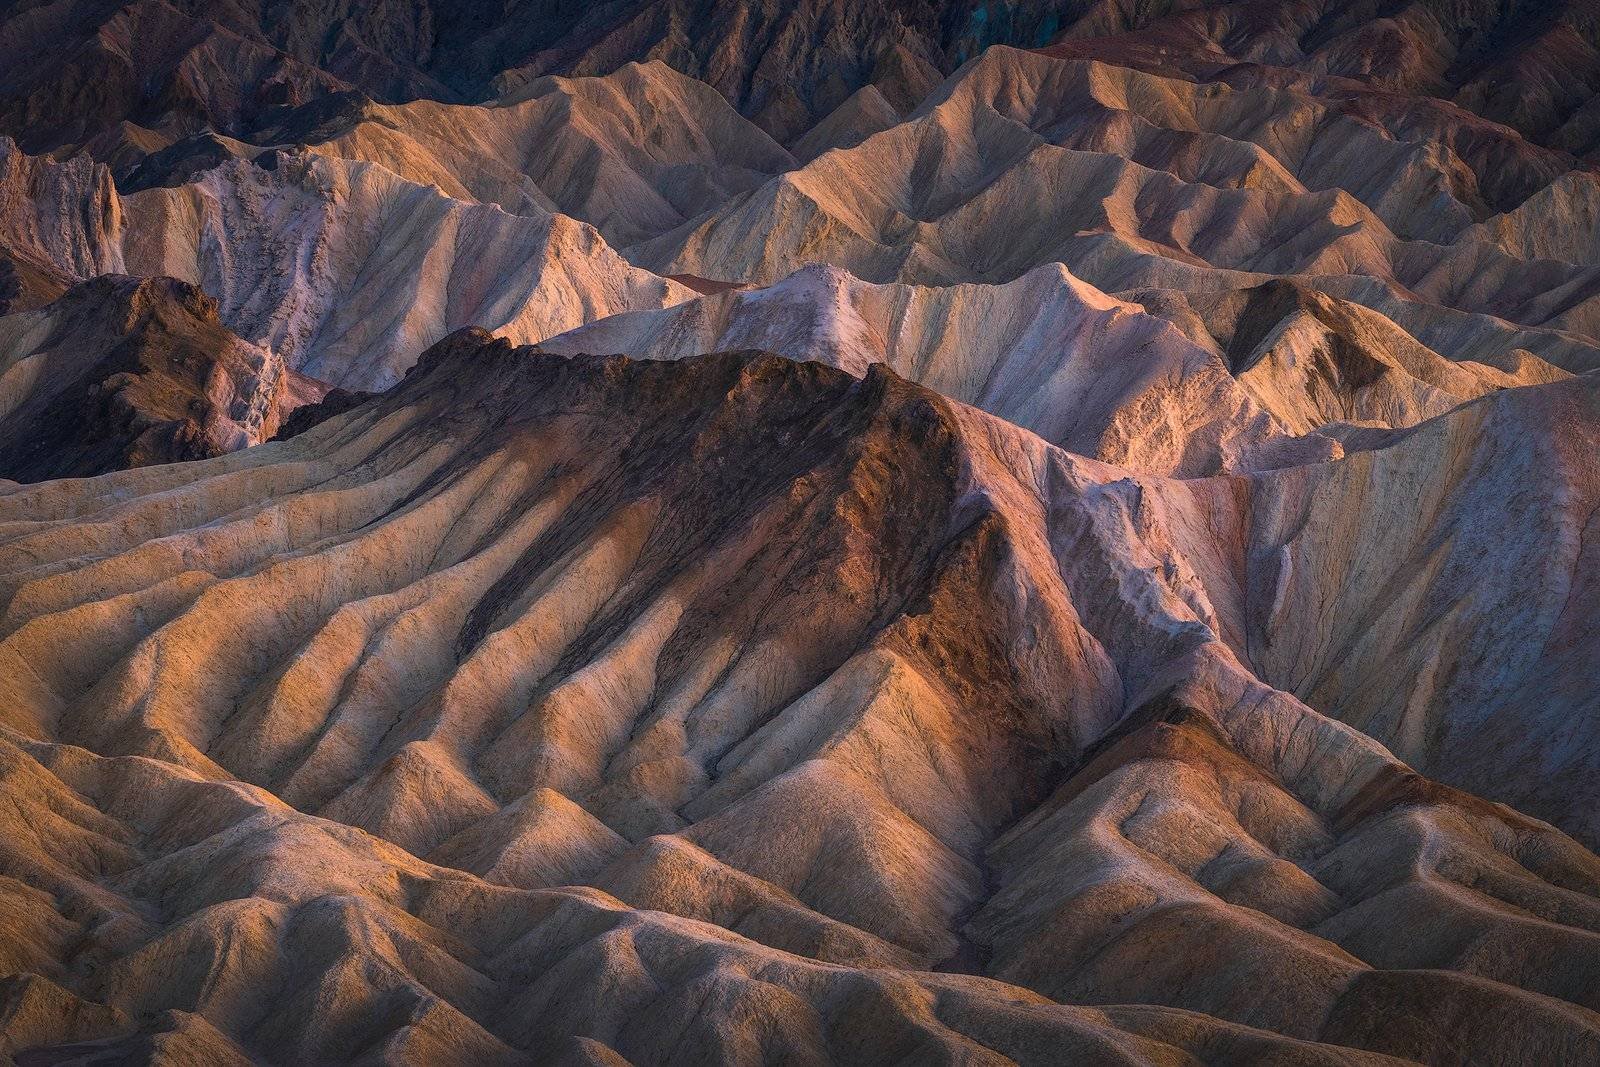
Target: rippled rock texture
{"points": [[755, 531], [800, 714]]}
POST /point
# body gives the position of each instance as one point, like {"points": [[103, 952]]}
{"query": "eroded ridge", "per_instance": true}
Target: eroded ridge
{"points": [[735, 708]]}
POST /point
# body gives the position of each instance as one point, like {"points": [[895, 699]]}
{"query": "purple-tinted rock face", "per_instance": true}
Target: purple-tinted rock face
{"points": [[735, 532]]}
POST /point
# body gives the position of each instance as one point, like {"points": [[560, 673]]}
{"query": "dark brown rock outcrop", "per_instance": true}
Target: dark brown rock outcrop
{"points": [[124, 372]]}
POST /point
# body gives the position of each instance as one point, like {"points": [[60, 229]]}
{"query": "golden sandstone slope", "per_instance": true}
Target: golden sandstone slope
{"points": [[800, 684], [1217, 687]]}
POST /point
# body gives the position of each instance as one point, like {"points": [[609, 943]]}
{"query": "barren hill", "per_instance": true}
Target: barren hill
{"points": [[125, 372], [340, 267], [1266, 377], [800, 531], [802, 684]]}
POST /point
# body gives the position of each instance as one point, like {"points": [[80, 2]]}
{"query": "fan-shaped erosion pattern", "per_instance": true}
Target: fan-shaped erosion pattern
{"points": [[732, 708]]}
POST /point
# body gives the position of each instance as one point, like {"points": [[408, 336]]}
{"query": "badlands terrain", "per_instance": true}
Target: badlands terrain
{"points": [[738, 531]]}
